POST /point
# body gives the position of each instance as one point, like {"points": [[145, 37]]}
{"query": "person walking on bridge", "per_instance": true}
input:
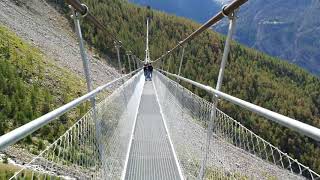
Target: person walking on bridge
{"points": [[150, 69], [145, 71]]}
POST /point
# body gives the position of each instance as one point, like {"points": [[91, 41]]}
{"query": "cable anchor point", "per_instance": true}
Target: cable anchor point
{"points": [[86, 12], [76, 13], [232, 15]]}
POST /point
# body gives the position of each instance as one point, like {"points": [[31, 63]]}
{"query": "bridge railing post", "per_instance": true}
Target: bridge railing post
{"points": [[162, 64], [128, 54], [86, 64], [232, 24], [117, 45], [135, 62], [181, 60], [169, 59]]}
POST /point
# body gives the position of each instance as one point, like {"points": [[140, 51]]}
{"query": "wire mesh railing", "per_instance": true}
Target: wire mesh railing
{"points": [[95, 147], [235, 152]]}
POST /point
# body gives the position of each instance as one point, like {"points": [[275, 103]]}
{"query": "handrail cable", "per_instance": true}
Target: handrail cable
{"points": [[84, 11], [25, 130], [226, 11], [303, 128]]}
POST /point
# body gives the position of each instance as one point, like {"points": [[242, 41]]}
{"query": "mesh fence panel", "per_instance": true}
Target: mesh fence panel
{"points": [[94, 147], [235, 151]]}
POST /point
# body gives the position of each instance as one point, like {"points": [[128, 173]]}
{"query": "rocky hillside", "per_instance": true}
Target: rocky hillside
{"points": [[40, 24]]}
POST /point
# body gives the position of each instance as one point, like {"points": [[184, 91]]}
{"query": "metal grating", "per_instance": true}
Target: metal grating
{"points": [[151, 156]]}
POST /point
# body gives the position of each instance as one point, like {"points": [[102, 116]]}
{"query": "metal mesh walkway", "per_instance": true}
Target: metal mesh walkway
{"points": [[151, 155]]}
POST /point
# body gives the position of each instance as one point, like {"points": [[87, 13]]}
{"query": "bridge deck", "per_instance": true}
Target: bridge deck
{"points": [[151, 155]]}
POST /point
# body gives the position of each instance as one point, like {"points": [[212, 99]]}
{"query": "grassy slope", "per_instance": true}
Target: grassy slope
{"points": [[6, 171], [32, 86]]}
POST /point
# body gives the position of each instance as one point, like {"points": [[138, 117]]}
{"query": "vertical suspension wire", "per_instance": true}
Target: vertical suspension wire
{"points": [[124, 67], [117, 45], [133, 65], [232, 22], [59, 150], [70, 152], [78, 145], [91, 156], [181, 61], [64, 149], [128, 54], [86, 63], [162, 64], [136, 60], [76, 17], [169, 60], [86, 145]]}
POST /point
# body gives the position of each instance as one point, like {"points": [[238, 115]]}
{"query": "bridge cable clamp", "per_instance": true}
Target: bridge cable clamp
{"points": [[76, 13], [180, 43], [73, 11], [117, 44], [231, 15], [86, 10]]}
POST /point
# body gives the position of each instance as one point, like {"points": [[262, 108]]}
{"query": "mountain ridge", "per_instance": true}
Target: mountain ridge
{"points": [[293, 38], [285, 29]]}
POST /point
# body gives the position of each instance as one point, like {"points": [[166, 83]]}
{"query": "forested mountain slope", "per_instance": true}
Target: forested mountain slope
{"points": [[281, 28], [250, 75], [191, 9]]}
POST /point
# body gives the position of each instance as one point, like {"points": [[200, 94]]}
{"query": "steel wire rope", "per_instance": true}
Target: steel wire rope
{"points": [[226, 11], [84, 11]]}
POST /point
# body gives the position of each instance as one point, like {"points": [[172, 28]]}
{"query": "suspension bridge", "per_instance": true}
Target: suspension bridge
{"points": [[159, 129]]}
